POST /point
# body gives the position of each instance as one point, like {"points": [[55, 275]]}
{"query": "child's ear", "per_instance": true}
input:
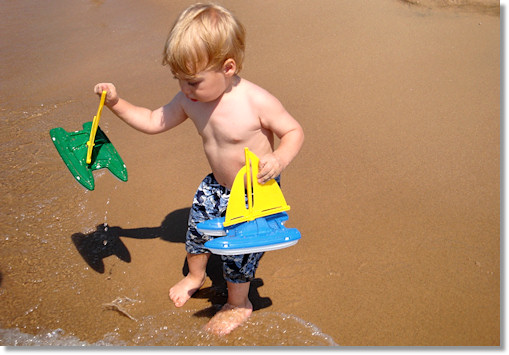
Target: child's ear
{"points": [[229, 67]]}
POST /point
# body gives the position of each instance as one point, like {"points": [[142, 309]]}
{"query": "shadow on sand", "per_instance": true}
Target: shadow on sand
{"points": [[105, 241]]}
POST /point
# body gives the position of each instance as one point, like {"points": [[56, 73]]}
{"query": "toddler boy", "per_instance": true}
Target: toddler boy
{"points": [[205, 51]]}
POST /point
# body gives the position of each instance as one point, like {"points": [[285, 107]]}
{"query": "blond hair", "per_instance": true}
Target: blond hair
{"points": [[203, 38]]}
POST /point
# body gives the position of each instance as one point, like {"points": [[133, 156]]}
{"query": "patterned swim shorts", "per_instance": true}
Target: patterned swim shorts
{"points": [[210, 201]]}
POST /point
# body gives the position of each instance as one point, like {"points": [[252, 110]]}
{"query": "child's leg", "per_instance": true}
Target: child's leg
{"points": [[238, 270], [236, 311], [208, 203], [186, 287]]}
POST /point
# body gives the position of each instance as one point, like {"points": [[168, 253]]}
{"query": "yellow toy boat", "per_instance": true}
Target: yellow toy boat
{"points": [[253, 226]]}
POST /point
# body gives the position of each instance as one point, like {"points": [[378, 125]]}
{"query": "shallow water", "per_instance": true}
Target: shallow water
{"points": [[175, 329]]}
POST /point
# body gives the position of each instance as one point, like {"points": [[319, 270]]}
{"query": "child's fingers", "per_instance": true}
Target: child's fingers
{"points": [[99, 88], [262, 172], [267, 171], [111, 96]]}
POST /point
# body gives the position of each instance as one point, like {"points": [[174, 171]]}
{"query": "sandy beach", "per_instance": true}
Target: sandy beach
{"points": [[396, 191]]}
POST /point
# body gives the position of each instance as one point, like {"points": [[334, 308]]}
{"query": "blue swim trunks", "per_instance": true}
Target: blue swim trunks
{"points": [[210, 201]]}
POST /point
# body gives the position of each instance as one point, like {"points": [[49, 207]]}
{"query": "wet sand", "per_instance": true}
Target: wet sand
{"points": [[396, 191]]}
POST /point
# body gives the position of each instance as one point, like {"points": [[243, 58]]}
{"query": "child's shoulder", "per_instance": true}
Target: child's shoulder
{"points": [[255, 93], [251, 87]]}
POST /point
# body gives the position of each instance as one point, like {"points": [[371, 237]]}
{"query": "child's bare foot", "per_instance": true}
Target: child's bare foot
{"points": [[228, 318], [184, 289]]}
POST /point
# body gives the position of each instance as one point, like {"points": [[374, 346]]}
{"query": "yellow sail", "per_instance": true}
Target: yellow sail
{"points": [[262, 200]]}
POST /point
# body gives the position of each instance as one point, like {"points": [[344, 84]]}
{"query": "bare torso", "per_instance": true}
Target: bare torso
{"points": [[226, 126]]}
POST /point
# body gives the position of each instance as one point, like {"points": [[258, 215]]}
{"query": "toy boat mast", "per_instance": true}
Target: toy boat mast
{"points": [[262, 200]]}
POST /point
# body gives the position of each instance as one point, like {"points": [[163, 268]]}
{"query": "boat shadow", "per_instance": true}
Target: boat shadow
{"points": [[105, 241]]}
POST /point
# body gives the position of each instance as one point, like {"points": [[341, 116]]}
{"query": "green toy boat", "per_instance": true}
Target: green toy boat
{"points": [[88, 150]]}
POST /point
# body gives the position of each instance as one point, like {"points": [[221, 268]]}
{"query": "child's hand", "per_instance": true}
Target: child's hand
{"points": [[111, 97], [270, 167]]}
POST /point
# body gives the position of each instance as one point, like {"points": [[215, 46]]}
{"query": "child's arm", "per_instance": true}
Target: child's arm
{"points": [[275, 118], [140, 118]]}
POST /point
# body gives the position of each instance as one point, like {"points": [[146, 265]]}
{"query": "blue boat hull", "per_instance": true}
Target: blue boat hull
{"points": [[263, 234]]}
